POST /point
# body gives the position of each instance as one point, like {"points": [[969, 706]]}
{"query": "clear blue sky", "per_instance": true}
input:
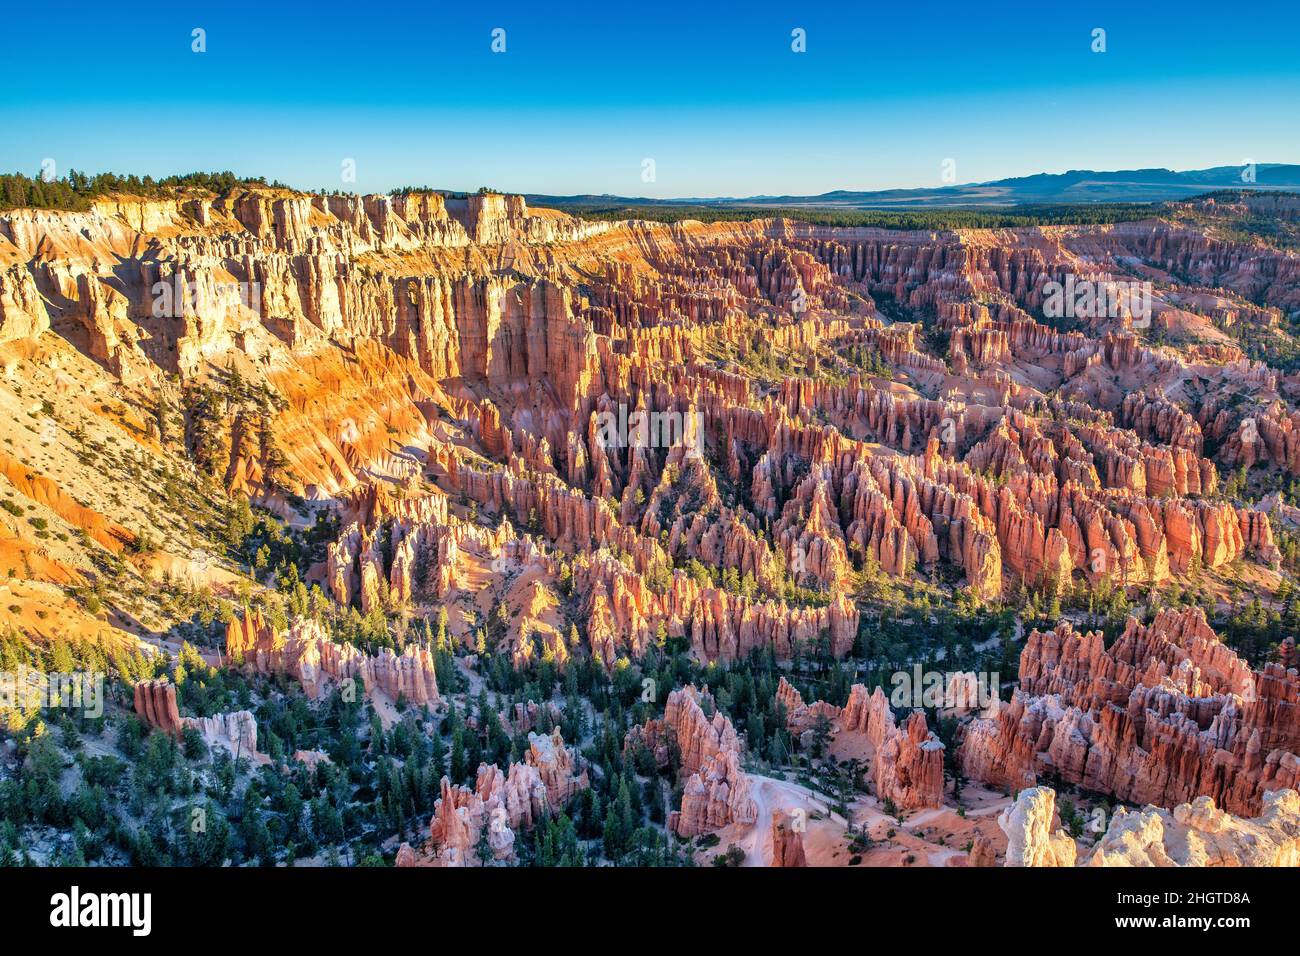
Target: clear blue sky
{"points": [[586, 91]]}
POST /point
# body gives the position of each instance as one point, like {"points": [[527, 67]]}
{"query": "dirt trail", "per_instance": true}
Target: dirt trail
{"points": [[771, 795]]}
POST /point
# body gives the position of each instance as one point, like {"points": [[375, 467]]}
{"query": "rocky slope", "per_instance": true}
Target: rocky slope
{"points": [[716, 787], [1165, 715], [906, 762], [1191, 834], [481, 342], [499, 806]]}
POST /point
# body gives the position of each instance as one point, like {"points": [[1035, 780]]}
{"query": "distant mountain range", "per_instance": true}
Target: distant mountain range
{"points": [[1075, 186]]}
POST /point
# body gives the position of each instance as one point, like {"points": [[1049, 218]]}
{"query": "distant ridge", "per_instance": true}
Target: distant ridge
{"points": [[1074, 186]]}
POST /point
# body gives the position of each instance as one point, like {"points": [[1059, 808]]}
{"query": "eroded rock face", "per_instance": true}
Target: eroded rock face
{"points": [[907, 761], [555, 765], [1199, 834], [307, 654], [907, 768], [22, 312], [444, 373], [801, 718], [787, 842], [155, 704], [1166, 715], [715, 796], [1033, 839], [663, 294], [236, 731], [717, 790], [481, 347], [1191, 834], [982, 853], [499, 805]]}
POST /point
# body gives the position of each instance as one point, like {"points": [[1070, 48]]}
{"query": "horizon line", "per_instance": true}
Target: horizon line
{"points": [[694, 199]]}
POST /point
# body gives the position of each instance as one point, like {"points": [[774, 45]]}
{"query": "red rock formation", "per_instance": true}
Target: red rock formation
{"points": [[907, 766], [470, 350], [800, 718], [155, 704], [532, 715], [625, 613], [717, 789], [907, 762], [982, 853], [1166, 715], [307, 654], [787, 842], [502, 803], [715, 796], [555, 765]]}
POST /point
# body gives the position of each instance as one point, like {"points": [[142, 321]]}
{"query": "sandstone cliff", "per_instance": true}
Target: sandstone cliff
{"points": [[709, 750], [1166, 715], [499, 805], [306, 653], [1191, 834]]}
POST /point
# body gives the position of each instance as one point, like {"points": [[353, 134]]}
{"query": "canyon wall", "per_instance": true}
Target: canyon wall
{"points": [[1195, 834], [499, 806], [305, 653], [1166, 715]]}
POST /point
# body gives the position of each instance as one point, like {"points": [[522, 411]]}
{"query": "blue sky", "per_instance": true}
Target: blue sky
{"points": [[585, 92]]}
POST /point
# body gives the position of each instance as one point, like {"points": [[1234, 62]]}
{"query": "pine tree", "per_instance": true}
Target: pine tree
{"points": [[613, 836], [441, 635]]}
